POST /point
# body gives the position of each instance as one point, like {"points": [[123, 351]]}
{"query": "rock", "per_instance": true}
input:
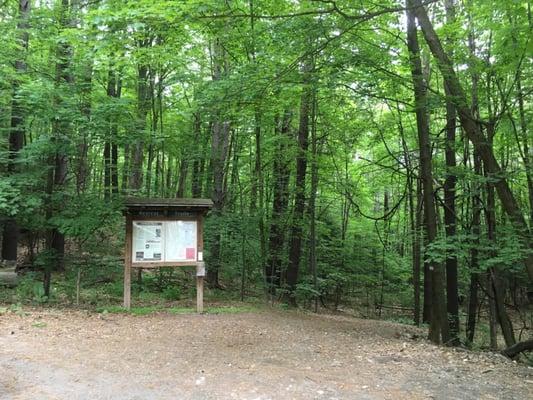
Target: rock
{"points": [[8, 277], [200, 381]]}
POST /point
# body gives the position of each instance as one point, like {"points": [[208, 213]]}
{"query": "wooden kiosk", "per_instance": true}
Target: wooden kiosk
{"points": [[165, 233]]}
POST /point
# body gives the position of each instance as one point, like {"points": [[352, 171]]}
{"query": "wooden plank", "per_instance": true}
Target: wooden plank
{"points": [[127, 264], [163, 218], [159, 264], [167, 202]]}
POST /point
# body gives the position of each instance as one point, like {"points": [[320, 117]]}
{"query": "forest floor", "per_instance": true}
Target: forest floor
{"points": [[63, 354]]}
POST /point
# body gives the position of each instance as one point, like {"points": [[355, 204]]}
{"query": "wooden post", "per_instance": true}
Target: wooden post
{"points": [[199, 294], [200, 273], [127, 264]]}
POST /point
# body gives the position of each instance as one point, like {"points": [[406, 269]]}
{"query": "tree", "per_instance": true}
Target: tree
{"points": [[10, 233], [439, 330]]}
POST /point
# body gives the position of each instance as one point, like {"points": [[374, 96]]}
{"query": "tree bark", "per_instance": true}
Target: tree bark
{"points": [[438, 328], [516, 349], [474, 256], [10, 231], [416, 222], [280, 177], [295, 246], [62, 133], [312, 205], [196, 178], [452, 290], [143, 105], [220, 136], [219, 151]]}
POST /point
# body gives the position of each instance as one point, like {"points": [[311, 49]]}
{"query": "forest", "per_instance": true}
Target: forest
{"points": [[365, 156]]}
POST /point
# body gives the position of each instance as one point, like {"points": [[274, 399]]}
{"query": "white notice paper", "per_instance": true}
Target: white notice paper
{"points": [[147, 241], [180, 244]]}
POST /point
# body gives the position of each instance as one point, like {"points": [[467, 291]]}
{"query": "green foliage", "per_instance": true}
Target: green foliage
{"points": [[171, 293], [30, 289]]}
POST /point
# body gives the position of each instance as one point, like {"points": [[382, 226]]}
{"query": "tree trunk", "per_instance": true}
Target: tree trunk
{"points": [[196, 179], [143, 105], [416, 222], [452, 291], [110, 145], [220, 136], [82, 168], [182, 181], [295, 246], [280, 176], [62, 133], [10, 233], [258, 193], [474, 256], [494, 277], [312, 205], [219, 151], [438, 328], [518, 348], [475, 190]]}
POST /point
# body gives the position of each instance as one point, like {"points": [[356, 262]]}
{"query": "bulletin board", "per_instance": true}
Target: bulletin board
{"points": [[165, 233], [165, 241]]}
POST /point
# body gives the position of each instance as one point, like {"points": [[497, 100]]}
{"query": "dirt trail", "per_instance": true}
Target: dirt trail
{"points": [[255, 356]]}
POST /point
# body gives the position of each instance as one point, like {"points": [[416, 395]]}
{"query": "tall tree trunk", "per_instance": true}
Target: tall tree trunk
{"points": [[182, 181], [415, 214], [280, 202], [474, 255], [153, 148], [475, 190], [110, 145], [220, 135], [498, 289], [10, 233], [82, 167], [475, 135], [111, 87], [196, 178], [438, 328], [452, 290], [62, 131], [143, 105], [257, 194], [219, 151], [295, 246], [126, 168], [312, 204]]}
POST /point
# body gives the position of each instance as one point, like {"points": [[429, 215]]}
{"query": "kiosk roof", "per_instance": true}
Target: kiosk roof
{"points": [[146, 203]]}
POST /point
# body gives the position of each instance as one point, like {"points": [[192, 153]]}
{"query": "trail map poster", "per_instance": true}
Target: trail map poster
{"points": [[147, 241], [167, 241]]}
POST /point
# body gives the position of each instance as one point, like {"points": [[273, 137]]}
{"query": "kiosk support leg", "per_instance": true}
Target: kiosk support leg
{"points": [[127, 287], [127, 263], [199, 294]]}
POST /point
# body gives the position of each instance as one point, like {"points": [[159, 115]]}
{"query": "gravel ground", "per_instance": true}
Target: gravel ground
{"points": [[59, 354]]}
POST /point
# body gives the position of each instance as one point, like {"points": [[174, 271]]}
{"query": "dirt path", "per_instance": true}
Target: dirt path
{"points": [[259, 356]]}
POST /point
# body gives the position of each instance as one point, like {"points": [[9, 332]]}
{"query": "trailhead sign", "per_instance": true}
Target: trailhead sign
{"points": [[165, 233]]}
